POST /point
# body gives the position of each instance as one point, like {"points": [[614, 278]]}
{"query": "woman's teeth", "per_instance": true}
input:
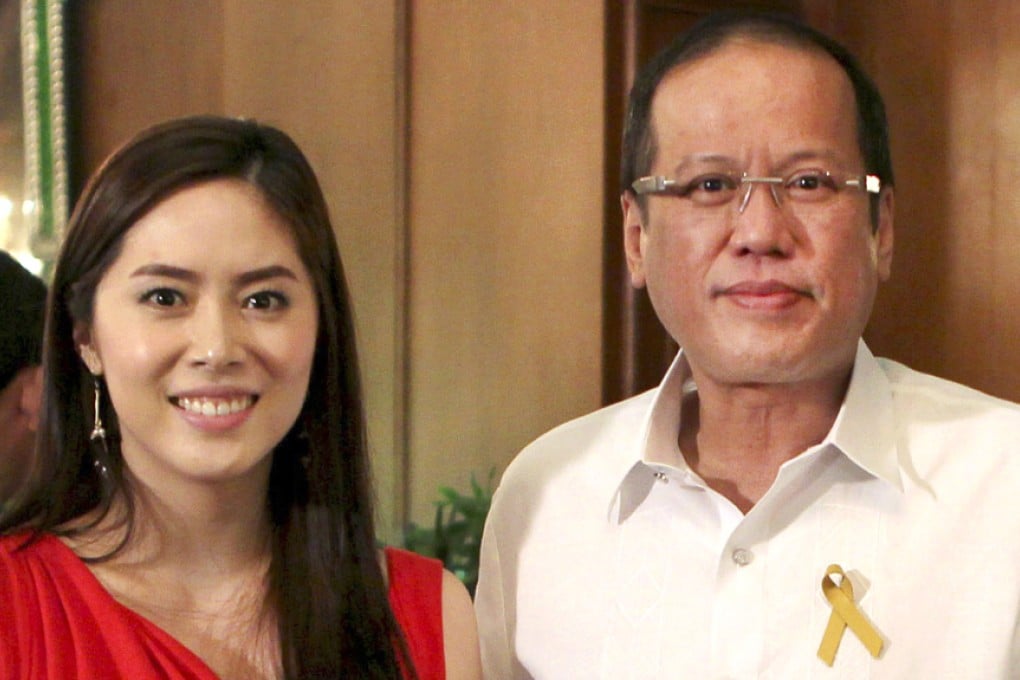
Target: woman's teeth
{"points": [[214, 407]]}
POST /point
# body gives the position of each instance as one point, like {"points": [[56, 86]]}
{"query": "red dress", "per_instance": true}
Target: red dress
{"points": [[58, 623]]}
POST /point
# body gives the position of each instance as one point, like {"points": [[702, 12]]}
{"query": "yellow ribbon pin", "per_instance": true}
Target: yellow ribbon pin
{"points": [[844, 613]]}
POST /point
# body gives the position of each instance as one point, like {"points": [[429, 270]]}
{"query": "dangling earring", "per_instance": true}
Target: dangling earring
{"points": [[305, 458], [99, 432]]}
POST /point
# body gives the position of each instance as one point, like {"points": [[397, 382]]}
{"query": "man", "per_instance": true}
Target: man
{"points": [[22, 307], [783, 505]]}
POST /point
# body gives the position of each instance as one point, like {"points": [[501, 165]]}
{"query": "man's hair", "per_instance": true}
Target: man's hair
{"points": [[22, 313], [719, 29]]}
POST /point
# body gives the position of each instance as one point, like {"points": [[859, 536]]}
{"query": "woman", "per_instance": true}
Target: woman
{"points": [[200, 505]]}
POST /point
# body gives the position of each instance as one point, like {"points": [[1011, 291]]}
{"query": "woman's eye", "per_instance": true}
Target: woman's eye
{"points": [[163, 297], [266, 300]]}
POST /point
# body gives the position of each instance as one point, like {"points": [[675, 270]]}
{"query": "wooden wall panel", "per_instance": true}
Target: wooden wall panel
{"points": [[982, 345], [950, 73], [142, 62], [505, 230]]}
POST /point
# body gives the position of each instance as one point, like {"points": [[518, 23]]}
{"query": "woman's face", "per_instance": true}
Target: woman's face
{"points": [[204, 330]]}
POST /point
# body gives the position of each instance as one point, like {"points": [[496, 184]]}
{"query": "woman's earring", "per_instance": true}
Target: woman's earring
{"points": [[98, 431]]}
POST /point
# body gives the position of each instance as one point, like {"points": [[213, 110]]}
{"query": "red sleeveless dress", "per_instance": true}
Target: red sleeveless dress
{"points": [[58, 623]]}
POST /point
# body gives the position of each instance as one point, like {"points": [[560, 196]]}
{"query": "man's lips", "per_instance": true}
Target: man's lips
{"points": [[765, 295]]}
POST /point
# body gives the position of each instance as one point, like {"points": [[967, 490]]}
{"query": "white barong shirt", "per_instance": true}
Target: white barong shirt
{"points": [[605, 556]]}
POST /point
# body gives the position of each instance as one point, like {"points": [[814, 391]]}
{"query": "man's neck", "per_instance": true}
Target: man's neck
{"points": [[737, 437]]}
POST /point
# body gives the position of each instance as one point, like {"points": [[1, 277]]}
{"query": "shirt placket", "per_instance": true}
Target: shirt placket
{"points": [[738, 616]]}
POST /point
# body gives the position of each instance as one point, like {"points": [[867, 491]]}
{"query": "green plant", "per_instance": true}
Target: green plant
{"points": [[456, 533]]}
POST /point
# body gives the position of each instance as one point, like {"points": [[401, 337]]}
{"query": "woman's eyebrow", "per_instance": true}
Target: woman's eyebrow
{"points": [[166, 270], [264, 273], [243, 279]]}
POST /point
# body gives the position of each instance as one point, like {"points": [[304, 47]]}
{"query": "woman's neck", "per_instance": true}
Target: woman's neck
{"points": [[196, 565], [194, 525]]}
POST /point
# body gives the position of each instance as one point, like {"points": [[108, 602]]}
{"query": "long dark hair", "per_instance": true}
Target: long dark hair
{"points": [[325, 584]]}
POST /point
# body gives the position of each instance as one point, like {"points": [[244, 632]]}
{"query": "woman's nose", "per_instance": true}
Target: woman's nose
{"points": [[216, 338]]}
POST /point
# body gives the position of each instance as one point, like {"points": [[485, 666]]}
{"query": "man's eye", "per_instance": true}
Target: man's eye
{"points": [[709, 190], [811, 180], [712, 183], [704, 185], [163, 297], [266, 300]]}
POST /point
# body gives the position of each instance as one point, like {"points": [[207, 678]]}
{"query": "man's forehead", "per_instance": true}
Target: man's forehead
{"points": [[749, 75], [733, 55]]}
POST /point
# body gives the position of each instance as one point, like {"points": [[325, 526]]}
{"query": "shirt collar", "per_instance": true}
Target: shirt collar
{"points": [[865, 427], [864, 430], [657, 441]]}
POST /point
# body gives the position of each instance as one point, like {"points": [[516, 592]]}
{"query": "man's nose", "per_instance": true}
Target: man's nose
{"points": [[750, 183], [762, 226]]}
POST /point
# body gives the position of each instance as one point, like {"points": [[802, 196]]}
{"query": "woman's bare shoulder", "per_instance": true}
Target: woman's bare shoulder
{"points": [[460, 634]]}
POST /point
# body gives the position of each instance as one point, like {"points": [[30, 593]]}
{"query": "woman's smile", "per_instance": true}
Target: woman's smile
{"points": [[215, 413]]}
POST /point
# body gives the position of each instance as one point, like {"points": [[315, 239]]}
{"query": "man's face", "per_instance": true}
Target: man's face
{"points": [[775, 293], [20, 402]]}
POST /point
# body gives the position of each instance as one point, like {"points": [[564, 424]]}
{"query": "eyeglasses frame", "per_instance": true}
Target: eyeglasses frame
{"points": [[655, 185]]}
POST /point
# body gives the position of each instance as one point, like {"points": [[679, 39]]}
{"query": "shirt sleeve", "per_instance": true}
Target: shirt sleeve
{"points": [[1015, 652], [494, 625]]}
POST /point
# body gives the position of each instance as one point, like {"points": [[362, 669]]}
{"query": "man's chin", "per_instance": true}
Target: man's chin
{"points": [[765, 366]]}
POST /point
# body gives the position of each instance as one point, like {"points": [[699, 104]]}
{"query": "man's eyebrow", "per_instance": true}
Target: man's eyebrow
{"points": [[812, 154], [826, 155], [716, 158]]}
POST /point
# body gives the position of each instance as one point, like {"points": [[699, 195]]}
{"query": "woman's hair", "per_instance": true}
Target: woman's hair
{"points": [[325, 584]]}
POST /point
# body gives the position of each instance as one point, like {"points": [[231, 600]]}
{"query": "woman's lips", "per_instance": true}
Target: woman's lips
{"points": [[215, 413]]}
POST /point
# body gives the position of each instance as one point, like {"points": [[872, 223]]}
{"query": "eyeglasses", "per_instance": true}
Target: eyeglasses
{"points": [[812, 186]]}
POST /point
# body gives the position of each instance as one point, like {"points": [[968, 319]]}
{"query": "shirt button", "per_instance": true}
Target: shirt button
{"points": [[742, 557]]}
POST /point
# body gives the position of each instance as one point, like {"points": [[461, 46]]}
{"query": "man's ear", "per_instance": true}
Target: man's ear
{"points": [[30, 402], [884, 235], [86, 350], [633, 238]]}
